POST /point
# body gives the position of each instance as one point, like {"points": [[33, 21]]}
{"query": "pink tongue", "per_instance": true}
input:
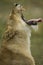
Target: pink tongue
{"points": [[40, 20]]}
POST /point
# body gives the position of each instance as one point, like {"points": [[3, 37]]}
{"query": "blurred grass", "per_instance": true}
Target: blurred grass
{"points": [[34, 9]]}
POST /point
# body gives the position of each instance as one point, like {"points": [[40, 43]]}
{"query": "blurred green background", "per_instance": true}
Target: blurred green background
{"points": [[34, 9]]}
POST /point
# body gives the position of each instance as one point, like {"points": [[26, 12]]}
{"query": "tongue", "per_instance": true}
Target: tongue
{"points": [[39, 20]]}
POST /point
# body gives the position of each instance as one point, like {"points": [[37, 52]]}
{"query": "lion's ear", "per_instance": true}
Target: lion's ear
{"points": [[35, 28]]}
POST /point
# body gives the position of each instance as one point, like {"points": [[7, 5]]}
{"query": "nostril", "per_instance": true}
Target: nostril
{"points": [[16, 4]]}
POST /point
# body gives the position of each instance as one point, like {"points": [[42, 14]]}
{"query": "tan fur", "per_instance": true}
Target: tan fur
{"points": [[16, 39]]}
